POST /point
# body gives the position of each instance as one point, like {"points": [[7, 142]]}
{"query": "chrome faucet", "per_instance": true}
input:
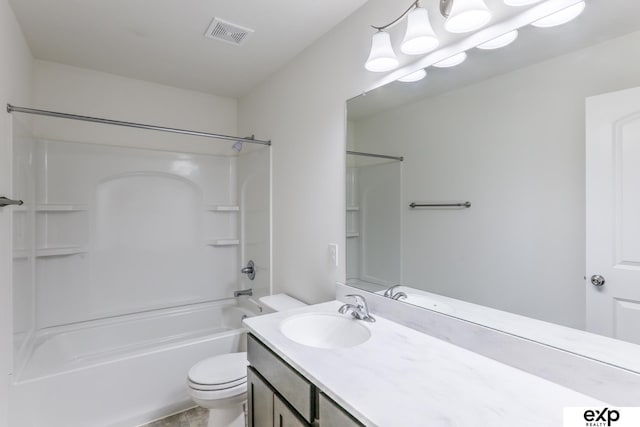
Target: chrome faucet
{"points": [[397, 295], [360, 310], [247, 292]]}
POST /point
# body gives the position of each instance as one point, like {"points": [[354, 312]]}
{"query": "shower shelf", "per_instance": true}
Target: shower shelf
{"points": [[62, 251], [223, 242], [222, 208], [351, 234], [353, 208], [62, 207]]}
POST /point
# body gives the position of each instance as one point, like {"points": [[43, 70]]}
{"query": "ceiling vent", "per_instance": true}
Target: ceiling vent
{"points": [[227, 32]]}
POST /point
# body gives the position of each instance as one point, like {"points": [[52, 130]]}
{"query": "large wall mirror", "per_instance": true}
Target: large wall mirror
{"points": [[542, 138]]}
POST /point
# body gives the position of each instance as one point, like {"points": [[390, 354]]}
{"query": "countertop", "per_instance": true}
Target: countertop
{"points": [[401, 377]]}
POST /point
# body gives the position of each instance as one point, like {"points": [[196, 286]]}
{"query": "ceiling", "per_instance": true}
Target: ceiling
{"points": [[163, 40], [600, 21]]}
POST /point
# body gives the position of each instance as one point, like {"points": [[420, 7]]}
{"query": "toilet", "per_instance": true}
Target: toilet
{"points": [[219, 383]]}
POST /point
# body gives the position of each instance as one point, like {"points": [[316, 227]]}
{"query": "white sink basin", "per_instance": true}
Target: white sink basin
{"points": [[325, 330]]}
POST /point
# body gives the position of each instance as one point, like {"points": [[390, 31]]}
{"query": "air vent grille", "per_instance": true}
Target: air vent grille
{"points": [[227, 32]]}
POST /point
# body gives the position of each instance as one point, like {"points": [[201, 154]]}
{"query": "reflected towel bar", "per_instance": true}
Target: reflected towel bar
{"points": [[379, 156], [414, 205]]}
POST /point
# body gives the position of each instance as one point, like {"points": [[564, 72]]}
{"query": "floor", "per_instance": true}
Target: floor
{"points": [[196, 417]]}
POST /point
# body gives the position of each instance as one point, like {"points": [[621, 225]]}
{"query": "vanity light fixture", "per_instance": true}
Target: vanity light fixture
{"points": [[461, 16], [452, 61], [467, 15], [561, 17], [414, 77], [381, 58], [500, 41], [419, 37]]}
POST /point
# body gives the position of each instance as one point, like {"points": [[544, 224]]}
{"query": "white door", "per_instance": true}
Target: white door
{"points": [[613, 214]]}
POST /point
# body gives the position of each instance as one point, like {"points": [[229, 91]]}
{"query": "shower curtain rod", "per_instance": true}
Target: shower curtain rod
{"points": [[380, 156], [13, 108]]}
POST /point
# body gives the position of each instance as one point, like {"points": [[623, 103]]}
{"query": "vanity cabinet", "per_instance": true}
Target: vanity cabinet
{"points": [[278, 396], [332, 415]]}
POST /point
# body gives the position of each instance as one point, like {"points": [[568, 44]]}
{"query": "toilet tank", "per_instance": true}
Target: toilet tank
{"points": [[279, 302]]}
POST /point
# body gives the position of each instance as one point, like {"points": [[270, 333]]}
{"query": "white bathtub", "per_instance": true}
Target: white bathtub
{"points": [[123, 371]]}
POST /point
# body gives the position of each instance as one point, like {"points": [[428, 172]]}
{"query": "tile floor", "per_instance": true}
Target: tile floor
{"points": [[195, 417]]}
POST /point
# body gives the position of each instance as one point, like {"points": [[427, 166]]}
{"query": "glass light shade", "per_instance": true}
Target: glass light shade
{"points": [[467, 15], [561, 17], [381, 58], [452, 61], [413, 77], [519, 2], [500, 41], [420, 37]]}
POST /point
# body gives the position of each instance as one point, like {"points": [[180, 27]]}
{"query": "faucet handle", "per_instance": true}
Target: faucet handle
{"points": [[389, 292], [360, 301]]}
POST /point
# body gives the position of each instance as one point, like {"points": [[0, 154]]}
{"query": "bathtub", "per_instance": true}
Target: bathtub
{"points": [[123, 371]]}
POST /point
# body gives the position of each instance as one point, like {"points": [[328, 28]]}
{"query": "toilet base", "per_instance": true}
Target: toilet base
{"points": [[228, 417]]}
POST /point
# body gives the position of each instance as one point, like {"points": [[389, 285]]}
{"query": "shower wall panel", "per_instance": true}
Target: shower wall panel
{"points": [[122, 230]]}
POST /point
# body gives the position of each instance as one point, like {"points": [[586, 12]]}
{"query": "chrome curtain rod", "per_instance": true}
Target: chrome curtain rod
{"points": [[13, 108], [380, 156]]}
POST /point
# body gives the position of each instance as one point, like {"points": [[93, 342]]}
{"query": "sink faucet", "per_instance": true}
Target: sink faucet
{"points": [[248, 292], [396, 296], [360, 310]]}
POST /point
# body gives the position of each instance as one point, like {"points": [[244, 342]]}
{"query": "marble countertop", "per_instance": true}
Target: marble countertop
{"points": [[403, 377]]}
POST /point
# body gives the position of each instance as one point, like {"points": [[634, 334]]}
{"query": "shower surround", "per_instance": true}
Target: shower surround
{"points": [[125, 264]]}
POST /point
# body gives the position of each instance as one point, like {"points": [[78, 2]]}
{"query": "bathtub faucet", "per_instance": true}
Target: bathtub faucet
{"points": [[247, 292]]}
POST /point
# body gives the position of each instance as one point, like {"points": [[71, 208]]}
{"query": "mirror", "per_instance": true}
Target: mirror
{"points": [[505, 131]]}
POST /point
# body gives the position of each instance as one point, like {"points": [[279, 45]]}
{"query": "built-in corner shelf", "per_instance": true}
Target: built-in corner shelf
{"points": [[353, 208], [352, 234], [61, 251], [223, 242], [62, 207], [222, 208]]}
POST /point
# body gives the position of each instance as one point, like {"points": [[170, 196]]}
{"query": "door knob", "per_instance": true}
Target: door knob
{"points": [[597, 280]]}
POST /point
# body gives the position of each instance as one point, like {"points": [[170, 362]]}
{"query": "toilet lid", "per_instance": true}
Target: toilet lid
{"points": [[242, 383], [229, 369]]}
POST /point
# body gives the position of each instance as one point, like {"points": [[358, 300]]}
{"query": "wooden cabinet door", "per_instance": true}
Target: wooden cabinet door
{"points": [[285, 417], [259, 401]]}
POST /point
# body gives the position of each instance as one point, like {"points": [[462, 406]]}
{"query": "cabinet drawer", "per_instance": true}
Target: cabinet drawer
{"points": [[332, 415], [294, 388]]}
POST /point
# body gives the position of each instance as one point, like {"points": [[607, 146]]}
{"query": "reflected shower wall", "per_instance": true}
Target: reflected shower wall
{"points": [[108, 232], [373, 222]]}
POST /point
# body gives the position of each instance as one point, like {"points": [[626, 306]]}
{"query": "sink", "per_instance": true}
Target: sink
{"points": [[325, 330]]}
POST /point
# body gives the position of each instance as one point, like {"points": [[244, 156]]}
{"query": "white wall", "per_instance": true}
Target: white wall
{"points": [[15, 87], [302, 109], [514, 146], [80, 91]]}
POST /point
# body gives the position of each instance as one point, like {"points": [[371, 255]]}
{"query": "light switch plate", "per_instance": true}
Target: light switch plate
{"points": [[333, 253]]}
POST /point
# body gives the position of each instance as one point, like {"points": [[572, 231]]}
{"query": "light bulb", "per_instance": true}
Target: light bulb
{"points": [[500, 41], [419, 37], [467, 15], [414, 77], [381, 58], [561, 17], [452, 61]]}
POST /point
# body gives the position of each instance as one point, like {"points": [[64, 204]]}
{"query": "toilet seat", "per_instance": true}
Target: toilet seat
{"points": [[226, 373]]}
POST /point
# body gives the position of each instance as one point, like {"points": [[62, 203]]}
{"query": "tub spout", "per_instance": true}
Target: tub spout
{"points": [[247, 292]]}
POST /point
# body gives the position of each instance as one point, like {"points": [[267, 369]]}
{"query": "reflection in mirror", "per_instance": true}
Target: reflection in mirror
{"points": [[505, 130], [373, 219]]}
